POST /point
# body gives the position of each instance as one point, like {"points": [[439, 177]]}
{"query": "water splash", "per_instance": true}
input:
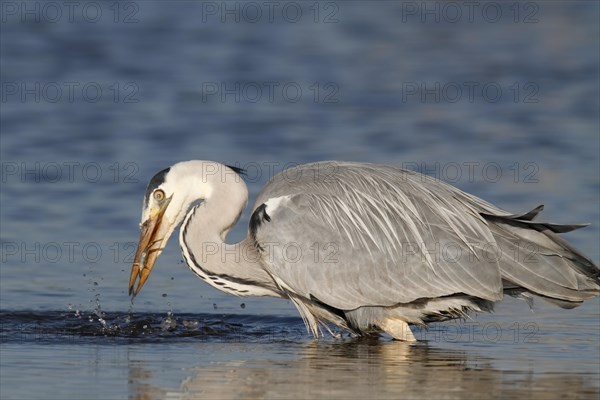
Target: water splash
{"points": [[77, 312], [69, 326], [169, 323]]}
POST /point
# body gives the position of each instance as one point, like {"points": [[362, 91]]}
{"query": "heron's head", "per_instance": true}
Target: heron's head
{"points": [[168, 197]]}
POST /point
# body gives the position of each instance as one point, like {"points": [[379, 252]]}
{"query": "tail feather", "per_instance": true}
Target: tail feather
{"points": [[528, 216], [534, 258]]}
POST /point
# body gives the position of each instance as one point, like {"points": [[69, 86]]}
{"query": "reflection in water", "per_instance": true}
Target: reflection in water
{"points": [[140, 389], [362, 368]]}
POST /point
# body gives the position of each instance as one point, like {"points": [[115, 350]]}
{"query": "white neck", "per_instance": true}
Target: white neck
{"points": [[234, 268]]}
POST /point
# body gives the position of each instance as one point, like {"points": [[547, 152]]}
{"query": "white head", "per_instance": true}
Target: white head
{"points": [[169, 196]]}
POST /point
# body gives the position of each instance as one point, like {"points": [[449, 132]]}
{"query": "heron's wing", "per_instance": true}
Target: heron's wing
{"points": [[376, 236]]}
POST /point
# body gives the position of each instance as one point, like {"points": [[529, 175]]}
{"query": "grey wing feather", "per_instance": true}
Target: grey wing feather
{"points": [[537, 259], [362, 234], [371, 235]]}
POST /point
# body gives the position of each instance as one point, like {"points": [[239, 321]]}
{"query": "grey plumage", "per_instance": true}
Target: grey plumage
{"points": [[406, 240], [369, 247]]}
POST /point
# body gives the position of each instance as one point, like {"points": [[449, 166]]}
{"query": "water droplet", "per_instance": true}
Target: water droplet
{"points": [[169, 323], [243, 305], [190, 324]]}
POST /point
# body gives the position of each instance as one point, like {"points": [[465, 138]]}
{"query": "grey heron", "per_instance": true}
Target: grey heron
{"points": [[364, 247]]}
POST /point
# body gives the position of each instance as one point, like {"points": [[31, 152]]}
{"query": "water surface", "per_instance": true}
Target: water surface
{"points": [[74, 172]]}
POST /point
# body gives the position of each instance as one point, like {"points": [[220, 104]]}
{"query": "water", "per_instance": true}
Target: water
{"points": [[74, 171], [223, 356], [149, 355]]}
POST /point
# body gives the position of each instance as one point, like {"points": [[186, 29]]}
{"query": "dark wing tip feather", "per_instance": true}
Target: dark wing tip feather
{"points": [[237, 170], [560, 228], [258, 216], [527, 218], [532, 214]]}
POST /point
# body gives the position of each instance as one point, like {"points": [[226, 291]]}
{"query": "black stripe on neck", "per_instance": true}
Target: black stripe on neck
{"points": [[195, 263]]}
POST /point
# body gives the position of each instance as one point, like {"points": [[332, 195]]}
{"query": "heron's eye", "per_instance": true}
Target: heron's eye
{"points": [[159, 195]]}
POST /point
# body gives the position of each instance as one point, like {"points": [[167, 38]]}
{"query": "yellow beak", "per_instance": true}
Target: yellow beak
{"points": [[148, 250]]}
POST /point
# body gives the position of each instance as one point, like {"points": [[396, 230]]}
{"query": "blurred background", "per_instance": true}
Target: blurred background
{"points": [[500, 99]]}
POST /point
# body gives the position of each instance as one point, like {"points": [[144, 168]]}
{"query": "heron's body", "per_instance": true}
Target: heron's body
{"points": [[366, 247]]}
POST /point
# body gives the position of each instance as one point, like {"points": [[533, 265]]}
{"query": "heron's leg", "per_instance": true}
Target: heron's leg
{"points": [[398, 329]]}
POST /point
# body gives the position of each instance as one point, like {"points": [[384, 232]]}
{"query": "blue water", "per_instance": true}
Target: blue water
{"points": [[92, 106]]}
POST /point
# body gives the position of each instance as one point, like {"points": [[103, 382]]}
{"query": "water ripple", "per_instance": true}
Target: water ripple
{"points": [[58, 327]]}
